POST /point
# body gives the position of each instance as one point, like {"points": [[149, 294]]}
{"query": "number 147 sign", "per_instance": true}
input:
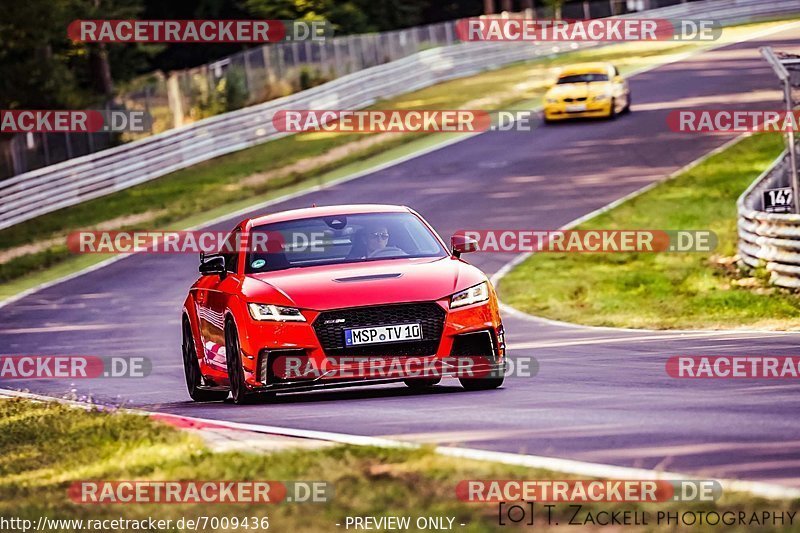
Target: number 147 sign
{"points": [[778, 200]]}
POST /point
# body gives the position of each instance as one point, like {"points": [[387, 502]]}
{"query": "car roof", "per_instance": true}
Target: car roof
{"points": [[324, 211], [585, 68]]}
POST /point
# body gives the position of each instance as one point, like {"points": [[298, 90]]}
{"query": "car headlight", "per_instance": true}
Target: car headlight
{"points": [[600, 97], [276, 313], [473, 295], [552, 100]]}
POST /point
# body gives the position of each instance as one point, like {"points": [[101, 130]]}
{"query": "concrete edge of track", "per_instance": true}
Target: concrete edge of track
{"points": [[567, 466]]}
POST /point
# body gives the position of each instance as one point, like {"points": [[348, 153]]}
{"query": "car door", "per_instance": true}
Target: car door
{"points": [[214, 303]]}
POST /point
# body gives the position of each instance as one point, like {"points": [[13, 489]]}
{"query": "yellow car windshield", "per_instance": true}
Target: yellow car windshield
{"points": [[582, 78]]}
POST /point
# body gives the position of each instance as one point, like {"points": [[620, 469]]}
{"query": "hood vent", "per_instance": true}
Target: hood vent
{"points": [[368, 278]]}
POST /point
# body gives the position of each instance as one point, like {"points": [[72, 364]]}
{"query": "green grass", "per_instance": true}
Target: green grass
{"points": [[192, 193], [664, 290], [47, 446]]}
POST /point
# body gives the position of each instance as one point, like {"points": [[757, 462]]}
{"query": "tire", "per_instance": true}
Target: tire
{"points": [[481, 383], [233, 356], [612, 113], [422, 383], [627, 105], [191, 370]]}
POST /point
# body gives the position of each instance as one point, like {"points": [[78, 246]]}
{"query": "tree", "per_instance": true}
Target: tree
{"points": [[555, 5], [35, 57], [98, 53], [350, 16], [40, 67]]}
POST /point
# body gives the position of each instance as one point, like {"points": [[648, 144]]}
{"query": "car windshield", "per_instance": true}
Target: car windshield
{"points": [[338, 239], [582, 78]]}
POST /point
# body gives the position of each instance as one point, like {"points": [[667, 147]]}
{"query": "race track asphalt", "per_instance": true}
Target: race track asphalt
{"points": [[601, 395]]}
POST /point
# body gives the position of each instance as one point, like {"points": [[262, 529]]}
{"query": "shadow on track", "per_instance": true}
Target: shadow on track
{"points": [[305, 397]]}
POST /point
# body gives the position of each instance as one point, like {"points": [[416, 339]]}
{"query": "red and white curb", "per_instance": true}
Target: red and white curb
{"points": [[567, 466]]}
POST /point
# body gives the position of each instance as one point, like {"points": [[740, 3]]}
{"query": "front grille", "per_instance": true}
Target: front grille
{"points": [[429, 315]]}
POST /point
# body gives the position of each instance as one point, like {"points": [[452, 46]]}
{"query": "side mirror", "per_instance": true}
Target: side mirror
{"points": [[213, 265], [462, 244]]}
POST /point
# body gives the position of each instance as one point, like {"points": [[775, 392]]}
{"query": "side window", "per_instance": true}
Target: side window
{"points": [[232, 262], [231, 250]]}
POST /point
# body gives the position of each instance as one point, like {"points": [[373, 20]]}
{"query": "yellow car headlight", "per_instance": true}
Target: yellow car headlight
{"points": [[552, 100]]}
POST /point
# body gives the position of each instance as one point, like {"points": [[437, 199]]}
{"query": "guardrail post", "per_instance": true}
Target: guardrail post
{"points": [[174, 100], [790, 139], [46, 149], [783, 75]]}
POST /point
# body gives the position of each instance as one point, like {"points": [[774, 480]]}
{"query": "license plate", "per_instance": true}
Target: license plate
{"points": [[575, 108], [381, 334]]}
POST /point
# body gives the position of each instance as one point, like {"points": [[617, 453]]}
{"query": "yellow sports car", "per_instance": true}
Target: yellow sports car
{"points": [[587, 90]]}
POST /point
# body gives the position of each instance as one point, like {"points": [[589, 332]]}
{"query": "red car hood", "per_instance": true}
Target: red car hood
{"points": [[359, 284]]}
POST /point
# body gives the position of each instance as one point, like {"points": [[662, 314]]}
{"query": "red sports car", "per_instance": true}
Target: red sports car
{"points": [[337, 296]]}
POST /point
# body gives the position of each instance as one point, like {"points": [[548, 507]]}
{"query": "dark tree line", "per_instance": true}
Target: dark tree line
{"points": [[41, 68]]}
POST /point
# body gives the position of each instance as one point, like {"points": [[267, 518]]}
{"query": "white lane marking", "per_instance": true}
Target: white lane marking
{"points": [[598, 470], [569, 466], [516, 313], [610, 340], [51, 283], [64, 327]]}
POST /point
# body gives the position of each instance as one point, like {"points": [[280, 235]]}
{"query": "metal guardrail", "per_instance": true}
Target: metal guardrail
{"points": [[768, 214], [259, 74], [48, 189], [770, 240]]}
